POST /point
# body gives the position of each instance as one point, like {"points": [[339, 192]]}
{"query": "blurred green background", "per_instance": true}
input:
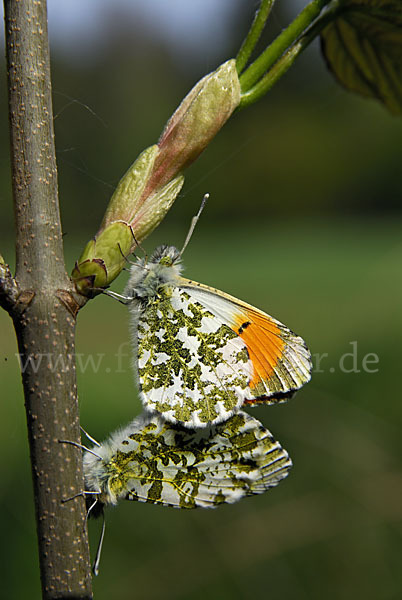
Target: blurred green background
{"points": [[304, 221]]}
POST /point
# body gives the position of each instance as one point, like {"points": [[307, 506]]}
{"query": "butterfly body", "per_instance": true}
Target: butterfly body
{"points": [[201, 353], [148, 279]]}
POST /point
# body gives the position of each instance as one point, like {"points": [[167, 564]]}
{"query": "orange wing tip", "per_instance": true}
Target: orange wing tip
{"points": [[281, 360], [265, 345]]}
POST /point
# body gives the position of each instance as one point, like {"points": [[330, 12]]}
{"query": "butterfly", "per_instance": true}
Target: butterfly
{"points": [[200, 354], [151, 460]]}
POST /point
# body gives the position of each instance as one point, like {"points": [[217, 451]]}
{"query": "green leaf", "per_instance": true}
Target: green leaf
{"points": [[363, 49]]}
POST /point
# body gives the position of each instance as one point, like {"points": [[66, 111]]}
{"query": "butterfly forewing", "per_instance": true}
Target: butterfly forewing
{"points": [[281, 361], [202, 353], [154, 461], [193, 367]]}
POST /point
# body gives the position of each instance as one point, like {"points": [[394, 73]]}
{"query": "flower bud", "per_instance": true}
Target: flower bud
{"points": [[104, 256], [197, 120], [149, 187]]}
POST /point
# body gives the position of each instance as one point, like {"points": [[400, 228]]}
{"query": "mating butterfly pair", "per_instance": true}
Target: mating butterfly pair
{"points": [[200, 355]]}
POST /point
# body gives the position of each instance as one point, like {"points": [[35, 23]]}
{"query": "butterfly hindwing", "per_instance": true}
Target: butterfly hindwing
{"points": [[154, 461], [193, 368]]}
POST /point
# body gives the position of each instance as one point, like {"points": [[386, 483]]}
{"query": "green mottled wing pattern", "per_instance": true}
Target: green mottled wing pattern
{"points": [[154, 461], [192, 367]]}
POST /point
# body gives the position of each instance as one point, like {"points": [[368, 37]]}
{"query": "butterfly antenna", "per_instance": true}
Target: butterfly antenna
{"points": [[95, 568], [139, 245], [194, 221]]}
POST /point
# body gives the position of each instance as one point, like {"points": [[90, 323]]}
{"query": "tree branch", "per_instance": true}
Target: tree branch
{"points": [[43, 309]]}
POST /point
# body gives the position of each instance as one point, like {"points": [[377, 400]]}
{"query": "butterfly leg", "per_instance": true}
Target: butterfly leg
{"points": [[91, 439], [81, 446], [119, 297], [83, 493]]}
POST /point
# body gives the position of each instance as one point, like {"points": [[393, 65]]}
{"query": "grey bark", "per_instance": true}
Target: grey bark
{"points": [[41, 301]]}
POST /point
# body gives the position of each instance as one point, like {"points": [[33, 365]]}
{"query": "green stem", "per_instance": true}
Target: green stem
{"points": [[254, 34], [267, 82], [287, 59], [270, 56]]}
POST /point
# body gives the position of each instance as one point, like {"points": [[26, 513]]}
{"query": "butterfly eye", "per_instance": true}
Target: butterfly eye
{"points": [[166, 261]]}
